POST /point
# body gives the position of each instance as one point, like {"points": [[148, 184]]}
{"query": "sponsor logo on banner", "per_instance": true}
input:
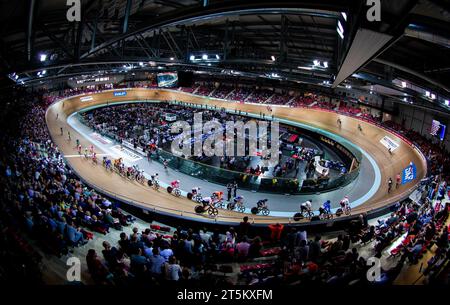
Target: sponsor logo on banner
{"points": [[120, 93], [389, 143], [86, 98], [409, 173]]}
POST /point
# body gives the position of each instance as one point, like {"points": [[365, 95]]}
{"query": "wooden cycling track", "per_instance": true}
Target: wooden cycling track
{"points": [[165, 203]]}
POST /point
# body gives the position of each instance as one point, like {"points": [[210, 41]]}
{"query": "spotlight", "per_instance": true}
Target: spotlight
{"points": [[325, 64], [192, 57], [272, 57], [204, 57], [43, 57], [217, 56], [403, 84], [340, 27]]}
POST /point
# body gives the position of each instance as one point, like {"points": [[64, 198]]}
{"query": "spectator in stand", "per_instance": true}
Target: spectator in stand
{"points": [[276, 230], [302, 252], [172, 271], [99, 273], [110, 254], [243, 248], [255, 247], [156, 263], [166, 252]]}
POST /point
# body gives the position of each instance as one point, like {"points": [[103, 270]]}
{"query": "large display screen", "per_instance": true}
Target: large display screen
{"points": [[438, 129], [167, 80]]}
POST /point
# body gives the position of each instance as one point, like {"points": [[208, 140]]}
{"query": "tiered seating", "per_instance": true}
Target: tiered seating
{"points": [[348, 109], [280, 99], [301, 101], [205, 90], [239, 94], [221, 92], [259, 96]]}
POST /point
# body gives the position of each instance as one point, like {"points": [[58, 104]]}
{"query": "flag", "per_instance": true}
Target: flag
{"points": [[437, 129], [435, 126]]}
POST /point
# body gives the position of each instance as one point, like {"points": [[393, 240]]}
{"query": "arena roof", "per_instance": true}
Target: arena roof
{"points": [[272, 39]]}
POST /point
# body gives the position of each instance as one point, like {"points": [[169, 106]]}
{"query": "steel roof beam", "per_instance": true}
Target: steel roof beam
{"points": [[223, 9]]}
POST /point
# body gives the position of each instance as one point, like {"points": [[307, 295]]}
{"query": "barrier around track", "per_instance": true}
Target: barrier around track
{"points": [[224, 219]]}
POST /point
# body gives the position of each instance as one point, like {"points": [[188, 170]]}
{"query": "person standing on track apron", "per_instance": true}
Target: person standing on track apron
{"points": [[229, 189], [235, 186]]}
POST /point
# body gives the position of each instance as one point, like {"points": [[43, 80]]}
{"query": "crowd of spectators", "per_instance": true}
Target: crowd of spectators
{"points": [[239, 94], [222, 91], [205, 89], [40, 193], [280, 99], [259, 96], [302, 101]]}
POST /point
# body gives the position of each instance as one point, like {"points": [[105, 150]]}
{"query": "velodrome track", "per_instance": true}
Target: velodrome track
{"points": [[162, 202]]}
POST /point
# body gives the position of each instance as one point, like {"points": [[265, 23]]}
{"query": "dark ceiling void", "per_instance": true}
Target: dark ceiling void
{"points": [[296, 40]]}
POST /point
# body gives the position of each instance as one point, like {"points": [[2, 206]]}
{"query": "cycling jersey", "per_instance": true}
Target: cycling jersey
{"points": [[344, 202], [327, 206], [238, 198], [219, 195], [306, 205], [206, 201], [261, 203]]}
